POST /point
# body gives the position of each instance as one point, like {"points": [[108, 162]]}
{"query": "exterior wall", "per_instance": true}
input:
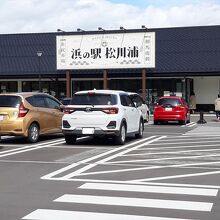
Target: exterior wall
{"points": [[206, 89]]}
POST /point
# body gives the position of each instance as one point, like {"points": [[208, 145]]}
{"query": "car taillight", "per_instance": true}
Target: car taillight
{"points": [[110, 110], [157, 106], [180, 107], [68, 110], [22, 111]]}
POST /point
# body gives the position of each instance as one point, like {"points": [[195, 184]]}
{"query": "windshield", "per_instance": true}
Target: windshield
{"points": [[9, 101], [94, 99]]}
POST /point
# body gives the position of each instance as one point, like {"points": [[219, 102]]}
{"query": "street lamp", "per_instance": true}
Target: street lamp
{"points": [[144, 27], [101, 29], [79, 30], [39, 54], [60, 30], [122, 28]]}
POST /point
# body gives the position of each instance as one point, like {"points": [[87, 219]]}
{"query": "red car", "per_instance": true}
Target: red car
{"points": [[171, 108]]}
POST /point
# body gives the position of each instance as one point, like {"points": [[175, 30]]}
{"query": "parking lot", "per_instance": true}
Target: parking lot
{"points": [[173, 172]]}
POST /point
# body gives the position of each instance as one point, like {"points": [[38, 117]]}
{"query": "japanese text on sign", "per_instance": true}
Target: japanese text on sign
{"points": [[122, 50]]}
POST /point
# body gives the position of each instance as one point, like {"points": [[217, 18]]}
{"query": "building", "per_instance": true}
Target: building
{"points": [[187, 59]]}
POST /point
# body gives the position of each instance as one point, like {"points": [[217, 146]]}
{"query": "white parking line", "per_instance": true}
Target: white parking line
{"points": [[34, 147], [116, 171], [81, 170], [191, 124], [171, 152], [186, 138], [50, 175], [151, 168], [136, 183], [150, 189], [31, 146], [185, 142], [175, 176], [163, 159], [34, 162], [184, 146], [48, 214], [129, 150], [136, 202]]}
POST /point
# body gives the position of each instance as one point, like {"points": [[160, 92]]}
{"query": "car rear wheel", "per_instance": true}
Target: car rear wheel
{"points": [[70, 139], [122, 136], [141, 130], [33, 133], [184, 122], [155, 122]]}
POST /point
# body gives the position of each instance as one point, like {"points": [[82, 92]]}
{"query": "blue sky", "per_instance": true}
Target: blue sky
{"points": [[25, 16], [162, 3]]}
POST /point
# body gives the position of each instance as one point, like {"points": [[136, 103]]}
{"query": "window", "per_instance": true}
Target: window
{"points": [[137, 99], [129, 101], [37, 101], [169, 101], [51, 103], [94, 99], [123, 100], [9, 101], [126, 101]]}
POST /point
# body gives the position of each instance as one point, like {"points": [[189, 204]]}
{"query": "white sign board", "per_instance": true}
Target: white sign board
{"points": [[105, 51]]}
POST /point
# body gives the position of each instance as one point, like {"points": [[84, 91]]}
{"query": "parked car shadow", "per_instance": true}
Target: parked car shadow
{"points": [[101, 141]]}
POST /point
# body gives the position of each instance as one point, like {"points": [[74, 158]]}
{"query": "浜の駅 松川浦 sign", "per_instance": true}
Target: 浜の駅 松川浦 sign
{"points": [[100, 51]]}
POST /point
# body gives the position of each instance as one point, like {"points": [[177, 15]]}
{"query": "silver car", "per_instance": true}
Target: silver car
{"points": [[136, 98]]}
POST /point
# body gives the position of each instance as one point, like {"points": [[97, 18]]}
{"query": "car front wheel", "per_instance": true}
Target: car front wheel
{"points": [[33, 133]]}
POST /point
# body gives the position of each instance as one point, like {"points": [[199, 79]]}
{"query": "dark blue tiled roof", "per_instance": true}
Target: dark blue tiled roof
{"points": [[178, 50], [18, 53], [188, 49]]}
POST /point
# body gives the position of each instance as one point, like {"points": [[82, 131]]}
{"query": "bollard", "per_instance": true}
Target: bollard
{"points": [[201, 118]]}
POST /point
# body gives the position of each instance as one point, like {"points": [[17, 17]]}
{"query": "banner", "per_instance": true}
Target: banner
{"points": [[106, 51]]}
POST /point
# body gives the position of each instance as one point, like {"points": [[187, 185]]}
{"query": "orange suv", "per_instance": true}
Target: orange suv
{"points": [[29, 114]]}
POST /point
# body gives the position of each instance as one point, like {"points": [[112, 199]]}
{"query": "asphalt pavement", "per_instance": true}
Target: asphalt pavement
{"points": [[172, 173]]}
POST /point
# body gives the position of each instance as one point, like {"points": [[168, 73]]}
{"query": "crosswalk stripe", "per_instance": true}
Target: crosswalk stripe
{"points": [[48, 214], [150, 189], [136, 202]]}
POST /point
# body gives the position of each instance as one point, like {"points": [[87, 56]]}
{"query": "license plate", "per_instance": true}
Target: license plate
{"points": [[88, 130], [168, 109], [1, 117]]}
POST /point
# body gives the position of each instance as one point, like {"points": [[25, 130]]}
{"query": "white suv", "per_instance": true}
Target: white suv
{"points": [[102, 113]]}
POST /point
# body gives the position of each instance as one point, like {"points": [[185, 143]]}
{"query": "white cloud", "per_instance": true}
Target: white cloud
{"points": [[48, 15]]}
